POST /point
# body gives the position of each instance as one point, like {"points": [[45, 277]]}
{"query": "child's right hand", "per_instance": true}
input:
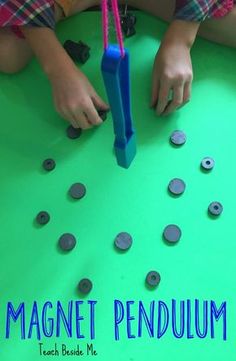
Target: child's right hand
{"points": [[74, 97], [76, 100], [172, 76], [172, 70]]}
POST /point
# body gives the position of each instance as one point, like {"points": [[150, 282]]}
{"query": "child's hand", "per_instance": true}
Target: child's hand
{"points": [[172, 77], [76, 100]]}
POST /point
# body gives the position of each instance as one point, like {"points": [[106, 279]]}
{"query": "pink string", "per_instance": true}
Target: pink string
{"points": [[105, 23], [117, 25], [116, 15]]}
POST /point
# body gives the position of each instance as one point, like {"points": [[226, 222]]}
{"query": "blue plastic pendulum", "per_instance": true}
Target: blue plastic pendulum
{"points": [[115, 71]]}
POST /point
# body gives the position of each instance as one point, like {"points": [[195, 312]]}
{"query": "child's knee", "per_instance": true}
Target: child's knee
{"points": [[234, 16], [221, 30], [10, 67], [14, 53]]}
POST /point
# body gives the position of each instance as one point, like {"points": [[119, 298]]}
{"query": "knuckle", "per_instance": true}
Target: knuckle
{"points": [[167, 76], [77, 105], [182, 77], [73, 107], [189, 77], [190, 74], [64, 105], [85, 104]]}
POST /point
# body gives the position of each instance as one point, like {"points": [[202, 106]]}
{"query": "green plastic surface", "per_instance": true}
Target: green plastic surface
{"points": [[201, 266]]}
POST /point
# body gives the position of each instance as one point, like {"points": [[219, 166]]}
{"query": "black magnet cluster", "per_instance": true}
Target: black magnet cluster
{"points": [[128, 22], [77, 51]]}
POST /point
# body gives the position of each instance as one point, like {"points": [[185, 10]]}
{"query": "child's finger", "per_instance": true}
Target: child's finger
{"points": [[164, 91], [99, 103], [73, 122], [92, 114], [187, 92], [80, 120], [155, 90], [177, 100], [69, 117]]}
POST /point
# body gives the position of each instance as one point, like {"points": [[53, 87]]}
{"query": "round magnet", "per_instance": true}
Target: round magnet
{"points": [[176, 186], [73, 133], [67, 242], [49, 164], [123, 241], [85, 286], [178, 137], [215, 208], [172, 233], [43, 217], [77, 191], [153, 278], [207, 163]]}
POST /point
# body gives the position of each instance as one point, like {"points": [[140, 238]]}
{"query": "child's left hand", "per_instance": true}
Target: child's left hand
{"points": [[172, 77]]}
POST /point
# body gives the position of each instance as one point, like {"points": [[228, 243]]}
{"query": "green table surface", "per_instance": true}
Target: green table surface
{"points": [[201, 266]]}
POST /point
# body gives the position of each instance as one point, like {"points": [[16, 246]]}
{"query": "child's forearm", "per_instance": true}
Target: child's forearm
{"points": [[48, 50], [181, 31]]}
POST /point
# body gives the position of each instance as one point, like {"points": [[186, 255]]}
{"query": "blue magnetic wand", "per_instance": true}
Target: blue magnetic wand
{"points": [[115, 71]]}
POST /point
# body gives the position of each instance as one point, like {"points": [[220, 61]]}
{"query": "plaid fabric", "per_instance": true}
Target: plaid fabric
{"points": [[199, 10], [30, 12], [15, 13]]}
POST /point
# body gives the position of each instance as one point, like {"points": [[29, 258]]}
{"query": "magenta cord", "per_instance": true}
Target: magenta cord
{"points": [[117, 25], [105, 23], [116, 15]]}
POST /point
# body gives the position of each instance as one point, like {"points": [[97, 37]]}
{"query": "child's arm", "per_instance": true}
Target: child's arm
{"points": [[172, 69], [75, 98]]}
